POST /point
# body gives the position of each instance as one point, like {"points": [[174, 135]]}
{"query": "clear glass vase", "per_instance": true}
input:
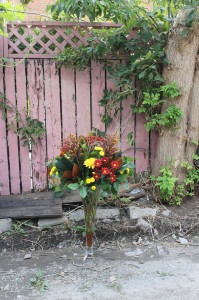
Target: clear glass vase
{"points": [[90, 206]]}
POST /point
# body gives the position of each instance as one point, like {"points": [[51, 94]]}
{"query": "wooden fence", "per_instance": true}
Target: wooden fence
{"points": [[66, 101]]}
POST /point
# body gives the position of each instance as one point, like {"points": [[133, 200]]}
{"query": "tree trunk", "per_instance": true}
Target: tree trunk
{"points": [[182, 53]]}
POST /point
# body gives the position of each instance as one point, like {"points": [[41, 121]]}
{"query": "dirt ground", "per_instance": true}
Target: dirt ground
{"points": [[128, 263]]}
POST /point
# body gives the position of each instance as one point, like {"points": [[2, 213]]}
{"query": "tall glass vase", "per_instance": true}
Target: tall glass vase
{"points": [[90, 206]]}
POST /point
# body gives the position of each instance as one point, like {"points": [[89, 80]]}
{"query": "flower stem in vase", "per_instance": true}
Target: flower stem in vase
{"points": [[90, 205]]}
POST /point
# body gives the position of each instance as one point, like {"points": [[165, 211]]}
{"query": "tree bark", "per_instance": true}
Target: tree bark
{"points": [[182, 53]]}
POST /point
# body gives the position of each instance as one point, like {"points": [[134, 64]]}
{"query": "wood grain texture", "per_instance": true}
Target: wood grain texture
{"points": [[83, 102], [53, 115], [68, 102], [4, 173], [22, 107], [36, 98], [98, 86], [12, 137]]}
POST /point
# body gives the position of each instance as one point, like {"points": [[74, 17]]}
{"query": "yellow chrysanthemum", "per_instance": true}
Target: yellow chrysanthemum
{"points": [[92, 179], [57, 173], [127, 170], [98, 148], [101, 153], [53, 169], [89, 163], [88, 181], [93, 187], [121, 172]]}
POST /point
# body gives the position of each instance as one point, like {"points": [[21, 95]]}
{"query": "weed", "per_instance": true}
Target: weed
{"points": [[39, 282]]}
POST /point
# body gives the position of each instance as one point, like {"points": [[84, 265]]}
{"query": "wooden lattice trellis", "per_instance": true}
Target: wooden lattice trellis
{"points": [[46, 39]]}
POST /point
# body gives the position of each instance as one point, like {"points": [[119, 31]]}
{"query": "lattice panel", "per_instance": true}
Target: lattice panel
{"points": [[45, 40]]}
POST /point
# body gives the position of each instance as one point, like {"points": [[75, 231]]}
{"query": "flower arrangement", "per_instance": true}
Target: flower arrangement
{"points": [[90, 164], [93, 165]]}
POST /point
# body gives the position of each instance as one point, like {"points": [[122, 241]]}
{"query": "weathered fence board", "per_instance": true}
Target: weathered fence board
{"points": [[83, 102], [22, 107], [53, 116], [98, 86], [14, 160], [30, 206], [4, 168], [68, 98]]}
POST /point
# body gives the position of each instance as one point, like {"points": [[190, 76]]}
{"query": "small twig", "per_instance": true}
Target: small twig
{"points": [[164, 237], [191, 228]]}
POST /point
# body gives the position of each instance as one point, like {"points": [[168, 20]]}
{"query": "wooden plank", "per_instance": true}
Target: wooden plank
{"points": [[53, 115], [4, 173], [22, 107], [127, 125], [98, 86], [83, 102], [1, 46], [30, 206], [154, 144], [114, 127], [142, 145], [73, 197], [65, 24], [12, 137], [68, 102], [36, 97]]}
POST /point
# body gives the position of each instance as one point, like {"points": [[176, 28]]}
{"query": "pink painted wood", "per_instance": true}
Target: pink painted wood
{"points": [[1, 46], [4, 175], [127, 126], [142, 145], [53, 115], [98, 86], [83, 102], [12, 137], [68, 102], [36, 98], [114, 127], [22, 107]]}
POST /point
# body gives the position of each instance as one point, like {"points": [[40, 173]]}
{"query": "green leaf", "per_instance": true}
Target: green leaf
{"points": [[116, 186], [73, 186], [83, 192]]}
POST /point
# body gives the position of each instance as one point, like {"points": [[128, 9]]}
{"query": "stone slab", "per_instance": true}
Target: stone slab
{"points": [[135, 212], [52, 221], [5, 225]]}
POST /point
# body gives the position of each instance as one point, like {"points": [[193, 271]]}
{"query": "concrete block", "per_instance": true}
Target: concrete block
{"points": [[135, 212], [107, 213], [52, 221], [5, 225]]}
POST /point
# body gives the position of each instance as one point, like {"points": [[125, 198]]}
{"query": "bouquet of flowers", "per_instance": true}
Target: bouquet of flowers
{"points": [[93, 165]]}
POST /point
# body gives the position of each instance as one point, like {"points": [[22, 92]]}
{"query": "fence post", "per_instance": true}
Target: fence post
{"points": [[1, 46]]}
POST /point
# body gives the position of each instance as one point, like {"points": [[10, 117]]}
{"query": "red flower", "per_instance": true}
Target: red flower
{"points": [[115, 164], [96, 176], [105, 171], [112, 178], [97, 163], [105, 160]]}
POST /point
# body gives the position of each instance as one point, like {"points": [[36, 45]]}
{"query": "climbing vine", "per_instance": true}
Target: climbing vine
{"points": [[28, 129]]}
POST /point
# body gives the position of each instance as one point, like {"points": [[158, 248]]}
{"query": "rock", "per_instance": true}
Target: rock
{"points": [[183, 241], [5, 225], [162, 251], [144, 225], [27, 256], [107, 213], [135, 212], [137, 252], [166, 212], [52, 221], [62, 245], [77, 215], [155, 232]]}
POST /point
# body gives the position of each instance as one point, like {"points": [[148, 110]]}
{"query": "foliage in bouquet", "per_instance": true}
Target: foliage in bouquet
{"points": [[91, 164]]}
